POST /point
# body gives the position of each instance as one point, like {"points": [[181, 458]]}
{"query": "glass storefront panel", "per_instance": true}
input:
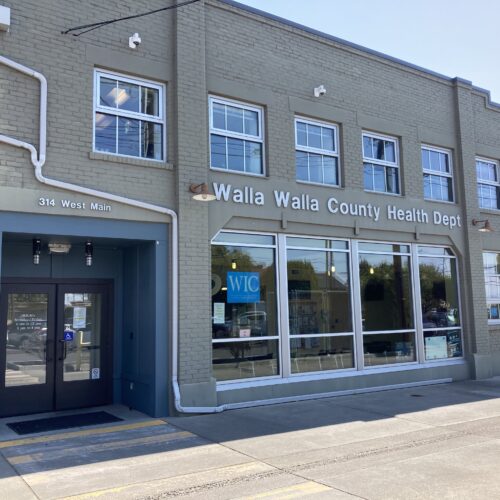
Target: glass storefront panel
{"points": [[26, 339], [317, 293], [383, 247], [439, 292], [386, 296], [82, 326], [443, 344], [389, 348], [294, 241], [315, 354], [243, 292], [241, 360], [319, 296]]}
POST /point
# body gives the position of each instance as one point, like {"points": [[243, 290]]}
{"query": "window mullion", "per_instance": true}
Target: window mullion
{"points": [[356, 306], [283, 305], [417, 305]]}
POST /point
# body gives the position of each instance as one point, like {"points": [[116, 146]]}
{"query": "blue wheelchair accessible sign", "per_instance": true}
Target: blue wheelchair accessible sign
{"points": [[243, 288], [68, 335]]}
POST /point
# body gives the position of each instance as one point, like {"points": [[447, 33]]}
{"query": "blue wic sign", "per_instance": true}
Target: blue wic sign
{"points": [[243, 288]]}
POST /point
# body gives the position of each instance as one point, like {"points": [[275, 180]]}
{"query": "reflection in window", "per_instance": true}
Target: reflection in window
{"points": [[380, 164], [488, 184], [389, 348], [440, 307], [386, 298], [236, 138], [315, 354], [129, 118], [26, 339], [386, 306], [491, 265], [319, 303], [438, 176], [244, 306]]}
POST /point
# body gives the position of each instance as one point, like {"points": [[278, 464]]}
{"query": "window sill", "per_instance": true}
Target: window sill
{"points": [[93, 155], [334, 374]]}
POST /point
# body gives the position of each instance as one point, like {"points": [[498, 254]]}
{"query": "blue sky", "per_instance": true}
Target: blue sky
{"points": [[452, 37]]}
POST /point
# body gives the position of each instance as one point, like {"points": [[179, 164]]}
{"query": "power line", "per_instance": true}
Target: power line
{"points": [[94, 26]]}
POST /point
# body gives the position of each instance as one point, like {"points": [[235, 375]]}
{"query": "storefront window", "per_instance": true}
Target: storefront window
{"points": [[319, 305], [287, 305], [386, 304], [440, 305], [244, 309]]}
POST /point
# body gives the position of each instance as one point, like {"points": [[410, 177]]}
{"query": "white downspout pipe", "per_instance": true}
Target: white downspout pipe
{"points": [[39, 160]]}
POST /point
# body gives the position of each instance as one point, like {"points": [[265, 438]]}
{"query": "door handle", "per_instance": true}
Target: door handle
{"points": [[64, 353]]}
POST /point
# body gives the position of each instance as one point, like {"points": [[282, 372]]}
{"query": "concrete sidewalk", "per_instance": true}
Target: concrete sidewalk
{"points": [[439, 441]]}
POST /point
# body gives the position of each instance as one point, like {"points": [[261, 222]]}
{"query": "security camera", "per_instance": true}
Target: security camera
{"points": [[319, 91], [134, 41]]}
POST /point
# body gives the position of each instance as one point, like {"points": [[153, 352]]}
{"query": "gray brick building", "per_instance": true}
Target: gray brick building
{"points": [[343, 250]]}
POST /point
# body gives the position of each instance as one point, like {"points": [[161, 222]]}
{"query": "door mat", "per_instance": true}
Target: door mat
{"points": [[63, 422]]}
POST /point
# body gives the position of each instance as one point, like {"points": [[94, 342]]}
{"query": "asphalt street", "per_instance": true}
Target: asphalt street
{"points": [[439, 441]]}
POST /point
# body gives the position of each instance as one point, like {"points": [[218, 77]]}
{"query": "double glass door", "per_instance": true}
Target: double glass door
{"points": [[54, 347]]}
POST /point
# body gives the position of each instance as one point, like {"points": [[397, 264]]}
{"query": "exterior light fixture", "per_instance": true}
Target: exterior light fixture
{"points": [[89, 253], [37, 250], [201, 192], [332, 269], [485, 228], [319, 91], [59, 248], [233, 264], [134, 41], [372, 271]]}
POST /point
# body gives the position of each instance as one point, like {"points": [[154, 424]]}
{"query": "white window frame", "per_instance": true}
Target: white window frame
{"points": [[318, 151], [448, 175], [382, 163], [235, 135], [495, 184], [360, 368], [494, 300], [417, 290], [160, 119], [284, 246], [277, 337]]}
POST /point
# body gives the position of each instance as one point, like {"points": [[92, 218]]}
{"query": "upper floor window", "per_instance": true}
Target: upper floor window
{"points": [[316, 152], [438, 174], [236, 137], [381, 163], [488, 185], [491, 265], [129, 117]]}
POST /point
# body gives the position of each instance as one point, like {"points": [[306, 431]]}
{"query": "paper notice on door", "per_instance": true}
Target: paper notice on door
{"points": [[96, 373], [245, 332], [79, 317], [219, 313]]}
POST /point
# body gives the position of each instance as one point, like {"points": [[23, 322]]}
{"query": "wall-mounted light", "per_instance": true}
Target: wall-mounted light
{"points": [[485, 228], [233, 264], [134, 41], [201, 192], [37, 250], [89, 253], [319, 91]]}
